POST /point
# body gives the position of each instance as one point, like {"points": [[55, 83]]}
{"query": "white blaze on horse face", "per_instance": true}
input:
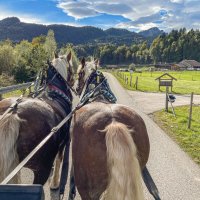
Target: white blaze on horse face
{"points": [[61, 65]]}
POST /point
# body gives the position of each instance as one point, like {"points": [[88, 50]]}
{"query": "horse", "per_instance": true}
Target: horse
{"points": [[22, 129], [110, 144]]}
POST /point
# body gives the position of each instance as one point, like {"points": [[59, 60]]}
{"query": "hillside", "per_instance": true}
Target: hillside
{"points": [[12, 28], [151, 33]]}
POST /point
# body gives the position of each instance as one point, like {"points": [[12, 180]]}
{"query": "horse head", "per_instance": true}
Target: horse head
{"points": [[84, 71], [64, 67]]}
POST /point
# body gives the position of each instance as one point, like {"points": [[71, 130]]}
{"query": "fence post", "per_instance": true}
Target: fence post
{"points": [[190, 111], [166, 99], [136, 83], [126, 80], [130, 79], [1, 97]]}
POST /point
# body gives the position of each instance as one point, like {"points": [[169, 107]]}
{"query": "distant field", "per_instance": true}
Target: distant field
{"points": [[187, 81], [188, 139]]}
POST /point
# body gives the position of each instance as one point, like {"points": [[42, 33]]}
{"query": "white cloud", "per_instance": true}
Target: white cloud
{"points": [[114, 8], [141, 13], [177, 1], [77, 10]]}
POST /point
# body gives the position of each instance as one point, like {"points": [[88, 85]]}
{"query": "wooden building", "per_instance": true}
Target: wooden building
{"points": [[187, 65]]}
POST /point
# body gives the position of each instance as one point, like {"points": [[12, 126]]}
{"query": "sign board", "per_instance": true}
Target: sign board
{"points": [[165, 83]]}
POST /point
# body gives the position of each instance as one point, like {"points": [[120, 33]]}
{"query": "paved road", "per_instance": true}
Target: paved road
{"points": [[149, 102], [176, 175]]}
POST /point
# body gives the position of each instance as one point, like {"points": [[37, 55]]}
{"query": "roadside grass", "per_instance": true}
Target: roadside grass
{"points": [[15, 93], [188, 139], [187, 81]]}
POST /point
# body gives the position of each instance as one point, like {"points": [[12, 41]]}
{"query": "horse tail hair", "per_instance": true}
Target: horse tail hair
{"points": [[125, 180], [9, 132]]}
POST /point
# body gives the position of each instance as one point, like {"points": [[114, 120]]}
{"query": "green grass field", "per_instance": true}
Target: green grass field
{"points": [[188, 139], [187, 81]]}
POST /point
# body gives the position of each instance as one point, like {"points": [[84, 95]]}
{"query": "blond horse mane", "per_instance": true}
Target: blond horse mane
{"points": [[9, 132]]}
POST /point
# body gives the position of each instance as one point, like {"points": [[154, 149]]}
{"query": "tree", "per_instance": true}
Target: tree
{"points": [[7, 59], [30, 58], [50, 45]]}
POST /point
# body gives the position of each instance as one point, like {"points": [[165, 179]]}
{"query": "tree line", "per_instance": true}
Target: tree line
{"points": [[166, 48]]}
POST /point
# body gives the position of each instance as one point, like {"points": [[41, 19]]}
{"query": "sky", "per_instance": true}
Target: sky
{"points": [[136, 15]]}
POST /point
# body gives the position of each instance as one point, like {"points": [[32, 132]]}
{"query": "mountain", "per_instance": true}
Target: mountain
{"points": [[12, 28], [119, 32], [15, 30], [120, 36], [151, 33]]}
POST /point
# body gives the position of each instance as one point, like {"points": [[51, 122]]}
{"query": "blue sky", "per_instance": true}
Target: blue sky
{"points": [[135, 15]]}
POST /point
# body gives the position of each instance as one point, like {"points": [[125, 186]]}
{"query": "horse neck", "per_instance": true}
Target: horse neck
{"points": [[58, 90]]}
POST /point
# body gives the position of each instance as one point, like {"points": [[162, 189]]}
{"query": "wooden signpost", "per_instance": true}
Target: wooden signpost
{"points": [[166, 80]]}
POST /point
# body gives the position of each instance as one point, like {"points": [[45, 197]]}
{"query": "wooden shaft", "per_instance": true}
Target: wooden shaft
{"points": [[166, 99], [190, 111]]}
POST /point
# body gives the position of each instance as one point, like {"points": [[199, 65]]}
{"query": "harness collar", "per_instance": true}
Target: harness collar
{"points": [[100, 87], [57, 89]]}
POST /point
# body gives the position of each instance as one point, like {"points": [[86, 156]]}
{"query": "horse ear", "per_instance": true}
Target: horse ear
{"points": [[83, 62], [69, 56], [55, 55]]}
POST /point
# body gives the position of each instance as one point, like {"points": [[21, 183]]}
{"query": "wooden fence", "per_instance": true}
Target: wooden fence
{"points": [[12, 88]]}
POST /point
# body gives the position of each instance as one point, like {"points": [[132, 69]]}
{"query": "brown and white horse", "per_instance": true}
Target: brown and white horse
{"points": [[25, 127], [110, 145]]}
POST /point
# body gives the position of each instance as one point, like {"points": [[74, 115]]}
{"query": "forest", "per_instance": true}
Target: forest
{"points": [[20, 62], [166, 48]]}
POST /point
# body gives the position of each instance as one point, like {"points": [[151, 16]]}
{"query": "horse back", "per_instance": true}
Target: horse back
{"points": [[89, 147], [93, 118]]}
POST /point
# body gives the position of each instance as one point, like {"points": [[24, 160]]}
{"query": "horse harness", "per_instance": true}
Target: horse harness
{"points": [[95, 86]]}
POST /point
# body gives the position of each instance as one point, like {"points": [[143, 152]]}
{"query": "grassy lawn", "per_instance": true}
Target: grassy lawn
{"points": [[188, 139], [187, 81]]}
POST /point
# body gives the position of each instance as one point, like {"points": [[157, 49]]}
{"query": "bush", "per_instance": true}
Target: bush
{"points": [[132, 67], [6, 80], [23, 74]]}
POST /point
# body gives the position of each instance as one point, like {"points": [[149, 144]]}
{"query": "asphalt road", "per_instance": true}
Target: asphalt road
{"points": [[149, 102], [175, 174]]}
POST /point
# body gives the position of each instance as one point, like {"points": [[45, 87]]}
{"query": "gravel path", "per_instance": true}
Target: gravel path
{"points": [[175, 174]]}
